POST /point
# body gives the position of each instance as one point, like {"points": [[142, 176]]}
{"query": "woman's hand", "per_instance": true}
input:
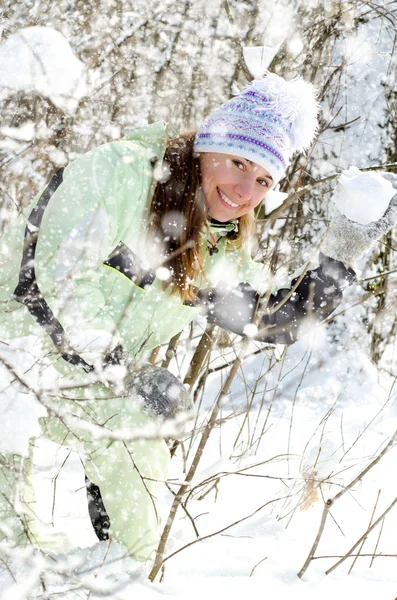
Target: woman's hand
{"points": [[347, 240]]}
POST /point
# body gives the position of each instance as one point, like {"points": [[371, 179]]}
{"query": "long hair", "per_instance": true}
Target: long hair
{"points": [[178, 215]]}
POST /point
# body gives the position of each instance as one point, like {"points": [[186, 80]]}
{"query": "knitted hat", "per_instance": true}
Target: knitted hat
{"points": [[266, 123]]}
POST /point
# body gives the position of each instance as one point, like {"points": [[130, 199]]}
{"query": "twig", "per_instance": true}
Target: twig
{"points": [[202, 351], [101, 565], [204, 438], [210, 535], [142, 478], [293, 408], [171, 350], [361, 301], [377, 543], [189, 516], [331, 501], [363, 537], [358, 555], [55, 487], [297, 194], [363, 542], [385, 274], [257, 565]]}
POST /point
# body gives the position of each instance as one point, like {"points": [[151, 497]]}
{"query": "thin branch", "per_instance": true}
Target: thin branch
{"points": [[192, 471], [210, 535], [331, 501], [363, 537], [377, 543], [363, 542]]}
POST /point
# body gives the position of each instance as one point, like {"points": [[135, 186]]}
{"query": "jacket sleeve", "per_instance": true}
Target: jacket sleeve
{"points": [[285, 315], [101, 201]]}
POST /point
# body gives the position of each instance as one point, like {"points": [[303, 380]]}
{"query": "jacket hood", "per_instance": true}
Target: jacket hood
{"points": [[153, 137]]}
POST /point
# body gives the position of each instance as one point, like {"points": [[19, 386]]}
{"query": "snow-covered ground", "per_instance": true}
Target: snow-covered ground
{"points": [[321, 413]]}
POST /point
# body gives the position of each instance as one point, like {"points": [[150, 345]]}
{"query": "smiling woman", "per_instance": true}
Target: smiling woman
{"points": [[232, 186], [123, 249]]}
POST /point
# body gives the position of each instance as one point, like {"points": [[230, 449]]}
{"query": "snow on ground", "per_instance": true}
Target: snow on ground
{"points": [[325, 410]]}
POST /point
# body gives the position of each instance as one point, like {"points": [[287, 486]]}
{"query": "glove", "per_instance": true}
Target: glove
{"points": [[160, 391], [364, 208]]}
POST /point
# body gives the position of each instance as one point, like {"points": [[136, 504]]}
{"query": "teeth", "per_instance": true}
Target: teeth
{"points": [[226, 199]]}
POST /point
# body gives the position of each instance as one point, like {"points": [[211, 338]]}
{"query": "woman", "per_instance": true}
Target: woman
{"points": [[122, 250]]}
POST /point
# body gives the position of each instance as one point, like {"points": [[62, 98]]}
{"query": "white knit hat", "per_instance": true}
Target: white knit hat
{"points": [[266, 123]]}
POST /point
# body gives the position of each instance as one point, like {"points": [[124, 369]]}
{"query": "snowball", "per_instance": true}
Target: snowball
{"points": [[362, 197]]}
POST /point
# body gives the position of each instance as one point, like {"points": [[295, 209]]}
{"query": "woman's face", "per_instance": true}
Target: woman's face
{"points": [[232, 185]]}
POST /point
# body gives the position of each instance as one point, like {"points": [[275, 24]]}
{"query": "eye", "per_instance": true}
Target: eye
{"points": [[263, 182], [238, 164]]}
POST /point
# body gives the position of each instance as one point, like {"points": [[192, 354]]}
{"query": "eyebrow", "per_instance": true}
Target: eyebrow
{"points": [[252, 162]]}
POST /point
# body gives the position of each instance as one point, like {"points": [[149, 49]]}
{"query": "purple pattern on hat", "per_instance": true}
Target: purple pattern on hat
{"points": [[243, 138], [247, 125]]}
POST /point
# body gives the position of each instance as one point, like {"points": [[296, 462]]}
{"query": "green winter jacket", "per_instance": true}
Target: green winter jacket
{"points": [[104, 199]]}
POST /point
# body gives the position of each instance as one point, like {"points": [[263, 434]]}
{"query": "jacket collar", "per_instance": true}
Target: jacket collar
{"points": [[223, 229]]}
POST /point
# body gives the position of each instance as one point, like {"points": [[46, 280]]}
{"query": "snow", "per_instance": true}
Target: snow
{"points": [[362, 197], [24, 133], [297, 425], [40, 59], [361, 103], [274, 199], [338, 420], [258, 58], [19, 406]]}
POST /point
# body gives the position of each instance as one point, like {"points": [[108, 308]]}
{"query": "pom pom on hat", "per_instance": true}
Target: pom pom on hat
{"points": [[266, 122], [295, 103]]}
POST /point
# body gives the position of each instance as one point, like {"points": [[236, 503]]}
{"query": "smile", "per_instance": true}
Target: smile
{"points": [[226, 199]]}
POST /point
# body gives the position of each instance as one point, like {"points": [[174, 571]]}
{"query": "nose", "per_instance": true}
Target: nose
{"points": [[244, 187]]}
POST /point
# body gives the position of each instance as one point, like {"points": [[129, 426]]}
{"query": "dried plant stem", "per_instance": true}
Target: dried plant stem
{"points": [[197, 457], [331, 501], [364, 555], [257, 565], [363, 542], [199, 358], [171, 350], [153, 355], [293, 409], [377, 544], [210, 535], [363, 537]]}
